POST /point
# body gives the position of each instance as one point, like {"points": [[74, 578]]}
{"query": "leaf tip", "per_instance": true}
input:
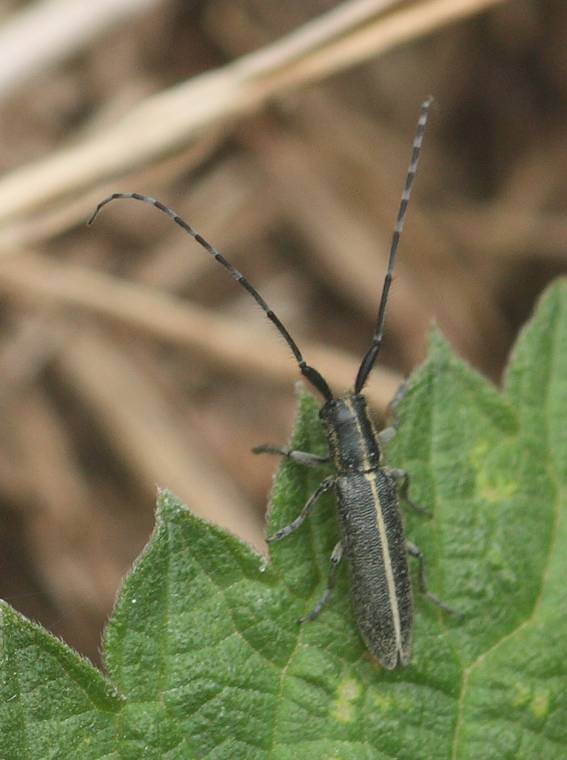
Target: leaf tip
{"points": [[169, 505], [437, 344]]}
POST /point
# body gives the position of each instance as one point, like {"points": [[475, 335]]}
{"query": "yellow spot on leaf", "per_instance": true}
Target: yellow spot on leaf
{"points": [[536, 700], [478, 454], [348, 691], [521, 696], [382, 702], [540, 704], [495, 488]]}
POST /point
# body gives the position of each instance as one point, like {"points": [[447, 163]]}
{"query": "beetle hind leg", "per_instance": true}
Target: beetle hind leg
{"points": [[415, 552], [336, 557]]}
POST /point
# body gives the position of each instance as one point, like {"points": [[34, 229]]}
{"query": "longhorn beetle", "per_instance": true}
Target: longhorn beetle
{"points": [[373, 538]]}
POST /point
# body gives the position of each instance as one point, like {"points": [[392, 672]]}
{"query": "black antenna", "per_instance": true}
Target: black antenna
{"points": [[370, 357], [311, 374]]}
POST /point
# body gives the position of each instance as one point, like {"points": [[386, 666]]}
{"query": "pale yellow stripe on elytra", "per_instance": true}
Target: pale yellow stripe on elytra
{"points": [[371, 478]]}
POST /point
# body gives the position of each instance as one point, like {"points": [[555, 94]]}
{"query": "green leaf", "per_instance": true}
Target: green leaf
{"points": [[204, 655]]}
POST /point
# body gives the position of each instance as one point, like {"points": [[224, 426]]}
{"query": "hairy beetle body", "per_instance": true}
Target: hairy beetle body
{"points": [[373, 536]]}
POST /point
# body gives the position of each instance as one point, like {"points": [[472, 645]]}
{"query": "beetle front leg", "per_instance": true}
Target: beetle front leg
{"points": [[386, 435], [301, 457], [396, 401], [336, 557], [325, 485], [415, 552]]}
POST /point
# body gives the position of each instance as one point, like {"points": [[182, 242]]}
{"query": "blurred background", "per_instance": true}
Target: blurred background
{"points": [[282, 131]]}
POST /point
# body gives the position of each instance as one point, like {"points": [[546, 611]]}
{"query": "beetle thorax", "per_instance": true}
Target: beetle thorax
{"points": [[352, 439]]}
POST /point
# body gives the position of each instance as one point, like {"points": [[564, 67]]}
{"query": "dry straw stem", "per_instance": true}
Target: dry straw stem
{"points": [[40, 227], [165, 123], [218, 340], [518, 223], [297, 174], [65, 529], [242, 215], [307, 176], [46, 32], [158, 447], [507, 235]]}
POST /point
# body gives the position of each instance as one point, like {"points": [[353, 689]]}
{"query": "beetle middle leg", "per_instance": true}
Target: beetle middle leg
{"points": [[336, 557], [325, 486], [416, 552], [301, 457], [402, 479]]}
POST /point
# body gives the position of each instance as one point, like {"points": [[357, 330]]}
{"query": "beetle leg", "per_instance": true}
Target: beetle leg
{"points": [[415, 552], [397, 400], [386, 435], [301, 457], [336, 557], [402, 479], [325, 485]]}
